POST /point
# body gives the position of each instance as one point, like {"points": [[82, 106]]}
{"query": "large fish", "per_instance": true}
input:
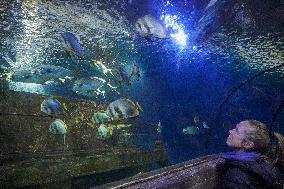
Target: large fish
{"points": [[123, 108], [58, 127], [191, 130], [91, 87], [148, 26], [41, 74], [72, 43]]}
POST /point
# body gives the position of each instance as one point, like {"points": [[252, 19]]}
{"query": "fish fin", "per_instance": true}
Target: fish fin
{"points": [[64, 106], [110, 131], [90, 124], [112, 87], [148, 37], [115, 118], [138, 76], [70, 50], [139, 107], [9, 75]]}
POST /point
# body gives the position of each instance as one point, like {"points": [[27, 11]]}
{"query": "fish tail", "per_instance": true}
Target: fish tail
{"points": [[139, 107]]}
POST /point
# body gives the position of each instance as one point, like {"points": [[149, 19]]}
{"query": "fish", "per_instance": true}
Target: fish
{"points": [[103, 132], [123, 108], [64, 106], [58, 127], [22, 75], [149, 26], [4, 65], [5, 75], [118, 126], [159, 127], [135, 71], [100, 117], [41, 74], [9, 59], [91, 87], [72, 43], [51, 106], [7, 28], [196, 119], [191, 130], [124, 137], [63, 79], [122, 126], [204, 125], [122, 76]]}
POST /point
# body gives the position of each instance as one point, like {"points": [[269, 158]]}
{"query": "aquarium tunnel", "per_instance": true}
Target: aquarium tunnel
{"points": [[94, 91]]}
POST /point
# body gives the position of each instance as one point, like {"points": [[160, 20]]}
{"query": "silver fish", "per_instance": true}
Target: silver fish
{"points": [[149, 26], [123, 108]]}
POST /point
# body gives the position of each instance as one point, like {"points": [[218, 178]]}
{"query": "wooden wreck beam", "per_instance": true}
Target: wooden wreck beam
{"points": [[199, 173], [64, 168]]}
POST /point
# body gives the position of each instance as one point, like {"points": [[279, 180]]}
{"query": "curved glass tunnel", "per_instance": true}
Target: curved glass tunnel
{"points": [[94, 91]]}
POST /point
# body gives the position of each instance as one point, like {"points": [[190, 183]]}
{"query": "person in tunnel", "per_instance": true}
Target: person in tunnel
{"points": [[256, 161]]}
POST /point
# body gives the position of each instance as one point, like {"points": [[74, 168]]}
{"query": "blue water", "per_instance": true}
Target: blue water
{"points": [[178, 82]]}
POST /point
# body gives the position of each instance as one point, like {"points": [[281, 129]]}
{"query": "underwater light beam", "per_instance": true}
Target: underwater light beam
{"points": [[30, 34], [179, 35]]}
